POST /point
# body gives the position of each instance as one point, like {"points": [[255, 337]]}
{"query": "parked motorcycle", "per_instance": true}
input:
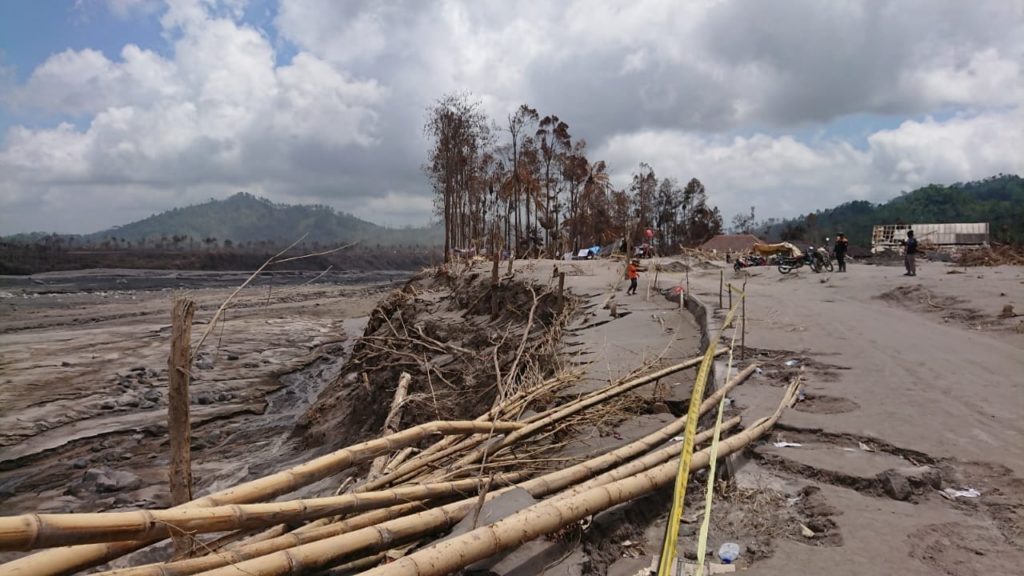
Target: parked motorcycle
{"points": [[809, 258], [748, 261]]}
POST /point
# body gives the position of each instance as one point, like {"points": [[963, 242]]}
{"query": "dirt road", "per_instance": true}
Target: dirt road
{"points": [[900, 372]]}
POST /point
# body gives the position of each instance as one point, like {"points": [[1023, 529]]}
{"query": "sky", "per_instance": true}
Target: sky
{"points": [[112, 110]]}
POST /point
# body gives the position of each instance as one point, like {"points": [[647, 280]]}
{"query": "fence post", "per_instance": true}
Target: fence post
{"points": [[179, 428], [743, 316], [721, 279]]}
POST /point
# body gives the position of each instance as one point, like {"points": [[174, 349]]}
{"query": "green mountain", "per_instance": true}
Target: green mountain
{"points": [[998, 200], [244, 218]]}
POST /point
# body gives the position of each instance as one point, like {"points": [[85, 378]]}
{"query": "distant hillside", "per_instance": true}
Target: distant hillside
{"points": [[998, 200], [244, 218]]}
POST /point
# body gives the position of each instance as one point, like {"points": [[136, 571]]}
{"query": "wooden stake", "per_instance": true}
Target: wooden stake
{"points": [[729, 288], [561, 288], [687, 274], [178, 426], [721, 279], [743, 321], [494, 284]]}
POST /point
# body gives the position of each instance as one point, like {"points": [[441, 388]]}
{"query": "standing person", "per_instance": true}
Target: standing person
{"points": [[910, 252], [842, 245], [633, 275]]}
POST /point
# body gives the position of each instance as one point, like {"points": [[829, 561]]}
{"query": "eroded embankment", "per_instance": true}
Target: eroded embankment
{"points": [[463, 340]]}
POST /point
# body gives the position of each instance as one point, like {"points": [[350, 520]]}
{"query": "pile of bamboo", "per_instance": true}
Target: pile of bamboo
{"points": [[418, 483]]}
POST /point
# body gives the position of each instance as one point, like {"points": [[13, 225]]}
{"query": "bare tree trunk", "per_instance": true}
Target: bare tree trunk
{"points": [[178, 426]]}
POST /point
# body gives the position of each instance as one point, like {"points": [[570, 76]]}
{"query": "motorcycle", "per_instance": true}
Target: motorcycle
{"points": [[748, 261], [810, 258]]}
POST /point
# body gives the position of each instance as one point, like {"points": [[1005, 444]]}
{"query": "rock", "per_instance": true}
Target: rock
{"points": [[204, 399], [895, 486], [80, 464], [224, 397], [147, 405], [660, 408], [153, 395], [65, 364], [902, 483], [759, 549], [204, 363], [130, 402], [505, 505], [138, 369], [118, 480], [108, 405], [232, 356]]}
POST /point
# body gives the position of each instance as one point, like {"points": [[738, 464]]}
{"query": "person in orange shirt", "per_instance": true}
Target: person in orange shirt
{"points": [[633, 275]]}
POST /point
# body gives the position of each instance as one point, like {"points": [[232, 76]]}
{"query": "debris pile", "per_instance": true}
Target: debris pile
{"points": [[996, 255]]}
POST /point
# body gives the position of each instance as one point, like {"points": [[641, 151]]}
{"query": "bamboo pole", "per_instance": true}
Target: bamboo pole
{"points": [[304, 535], [344, 543], [257, 549], [392, 420], [542, 518], [560, 479], [179, 428], [30, 531], [68, 560], [453, 444], [572, 409], [452, 513], [452, 554]]}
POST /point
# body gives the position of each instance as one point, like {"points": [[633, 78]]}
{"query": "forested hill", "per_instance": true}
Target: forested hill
{"points": [[998, 200], [246, 219]]}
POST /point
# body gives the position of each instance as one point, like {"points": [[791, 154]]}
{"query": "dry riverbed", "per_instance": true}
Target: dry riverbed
{"points": [[83, 374]]}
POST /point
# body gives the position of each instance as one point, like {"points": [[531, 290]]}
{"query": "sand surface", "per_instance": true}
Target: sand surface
{"points": [[899, 372], [83, 378]]}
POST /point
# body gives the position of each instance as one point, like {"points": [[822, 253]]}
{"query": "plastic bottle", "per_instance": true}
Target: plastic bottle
{"points": [[729, 552]]}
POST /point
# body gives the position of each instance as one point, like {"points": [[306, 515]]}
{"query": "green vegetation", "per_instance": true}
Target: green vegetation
{"points": [[998, 200], [244, 219]]}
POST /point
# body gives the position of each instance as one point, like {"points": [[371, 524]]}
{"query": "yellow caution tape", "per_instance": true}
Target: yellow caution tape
{"points": [[702, 538], [668, 547]]}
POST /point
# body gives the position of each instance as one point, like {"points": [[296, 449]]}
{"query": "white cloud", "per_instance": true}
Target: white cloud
{"points": [[784, 177], [329, 105], [219, 112], [125, 9]]}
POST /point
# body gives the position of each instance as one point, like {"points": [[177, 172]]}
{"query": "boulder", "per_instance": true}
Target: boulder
{"points": [[902, 483]]}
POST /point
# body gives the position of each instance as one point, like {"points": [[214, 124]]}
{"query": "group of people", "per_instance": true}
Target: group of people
{"points": [[841, 248]]}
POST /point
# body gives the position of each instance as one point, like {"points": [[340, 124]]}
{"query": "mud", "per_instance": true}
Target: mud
{"points": [[83, 382]]}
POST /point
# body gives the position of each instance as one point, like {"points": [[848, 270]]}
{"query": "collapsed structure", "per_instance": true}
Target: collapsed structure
{"points": [[951, 236]]}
